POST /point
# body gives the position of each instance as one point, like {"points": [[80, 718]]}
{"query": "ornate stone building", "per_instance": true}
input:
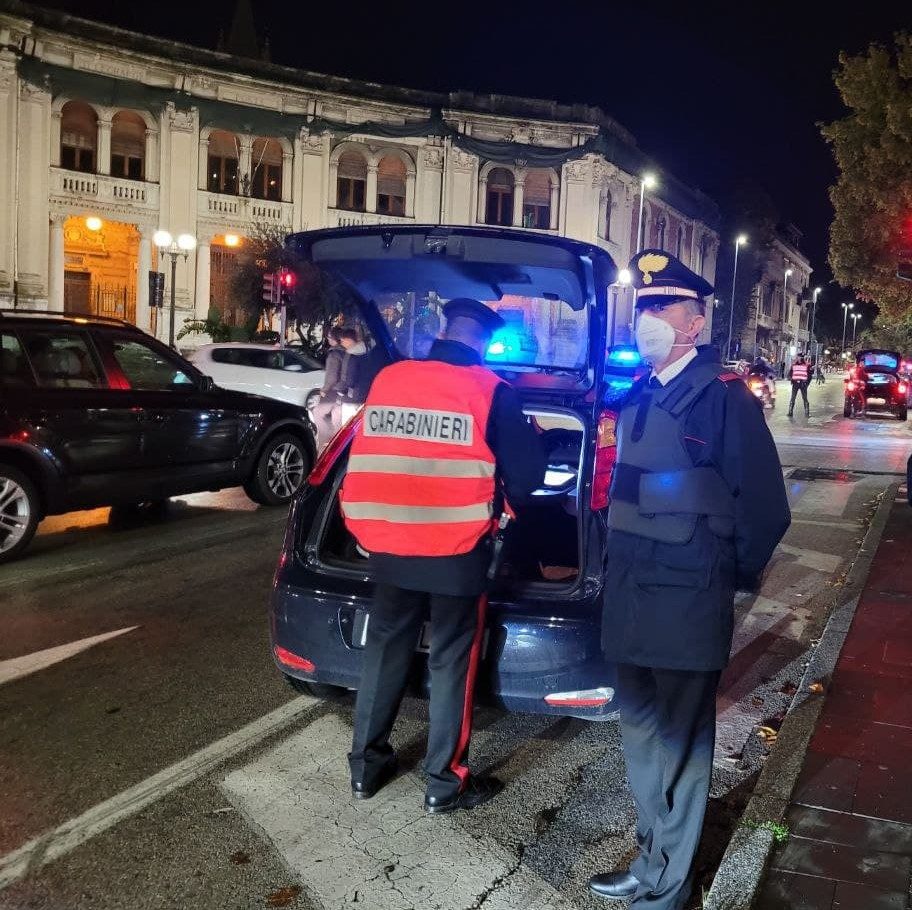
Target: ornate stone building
{"points": [[107, 136]]}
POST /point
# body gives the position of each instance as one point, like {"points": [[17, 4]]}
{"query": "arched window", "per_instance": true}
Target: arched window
{"points": [[78, 137], [351, 182], [679, 246], [500, 197], [537, 199], [128, 145], [391, 186], [224, 152], [661, 228], [702, 250], [606, 222], [266, 164]]}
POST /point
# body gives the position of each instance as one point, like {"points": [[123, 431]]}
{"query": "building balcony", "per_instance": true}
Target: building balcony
{"points": [[346, 218], [243, 211], [102, 193]]}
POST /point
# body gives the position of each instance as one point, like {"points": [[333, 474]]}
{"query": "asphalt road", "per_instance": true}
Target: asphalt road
{"points": [[151, 756]]}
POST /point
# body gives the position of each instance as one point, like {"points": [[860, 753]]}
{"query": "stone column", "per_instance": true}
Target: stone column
{"points": [[482, 201], [103, 146], [245, 162], [203, 178], [56, 265], [56, 121], [519, 187], [202, 280], [333, 188], [9, 100], [150, 164], [143, 267], [552, 210], [370, 191], [287, 175], [410, 194]]}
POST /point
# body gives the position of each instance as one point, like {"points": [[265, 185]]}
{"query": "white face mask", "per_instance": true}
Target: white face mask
{"points": [[655, 338]]}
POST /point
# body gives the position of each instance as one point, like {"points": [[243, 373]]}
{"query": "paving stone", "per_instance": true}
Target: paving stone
{"points": [[863, 695], [862, 740], [887, 871], [883, 791], [849, 896], [827, 781], [788, 891], [873, 834]]}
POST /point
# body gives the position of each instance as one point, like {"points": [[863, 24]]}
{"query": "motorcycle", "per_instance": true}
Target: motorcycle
{"points": [[764, 387]]}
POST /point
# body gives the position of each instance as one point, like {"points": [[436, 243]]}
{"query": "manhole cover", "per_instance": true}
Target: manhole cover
{"points": [[823, 474]]}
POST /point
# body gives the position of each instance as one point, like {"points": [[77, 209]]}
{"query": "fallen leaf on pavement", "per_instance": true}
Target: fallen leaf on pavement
{"points": [[767, 734], [815, 687], [283, 897]]}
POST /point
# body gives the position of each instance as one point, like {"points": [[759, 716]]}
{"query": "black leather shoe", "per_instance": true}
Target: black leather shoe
{"points": [[614, 885], [366, 789], [478, 790]]}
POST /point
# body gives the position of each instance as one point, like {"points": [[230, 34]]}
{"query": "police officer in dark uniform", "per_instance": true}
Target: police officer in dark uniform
{"points": [[443, 442], [698, 505]]}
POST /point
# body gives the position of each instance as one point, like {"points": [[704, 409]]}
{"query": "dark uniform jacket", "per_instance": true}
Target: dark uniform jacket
{"points": [[520, 471], [672, 605]]}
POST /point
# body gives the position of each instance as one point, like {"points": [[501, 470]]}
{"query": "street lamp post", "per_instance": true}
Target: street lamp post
{"points": [[181, 247], [784, 308], [647, 183], [855, 318], [845, 318], [740, 240]]}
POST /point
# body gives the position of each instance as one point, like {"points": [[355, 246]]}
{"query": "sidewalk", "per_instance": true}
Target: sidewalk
{"points": [[850, 816]]}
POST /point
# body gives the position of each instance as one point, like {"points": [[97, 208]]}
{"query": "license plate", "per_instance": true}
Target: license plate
{"points": [[362, 619]]}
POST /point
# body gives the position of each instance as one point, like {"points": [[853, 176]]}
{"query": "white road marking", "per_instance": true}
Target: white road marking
{"points": [[813, 559], [820, 497], [66, 837], [17, 667], [384, 853]]}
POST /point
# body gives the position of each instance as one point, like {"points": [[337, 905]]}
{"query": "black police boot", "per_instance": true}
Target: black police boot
{"points": [[366, 789], [614, 885], [791, 413], [478, 790]]}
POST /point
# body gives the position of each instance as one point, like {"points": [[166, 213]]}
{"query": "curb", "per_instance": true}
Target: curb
{"points": [[737, 882]]}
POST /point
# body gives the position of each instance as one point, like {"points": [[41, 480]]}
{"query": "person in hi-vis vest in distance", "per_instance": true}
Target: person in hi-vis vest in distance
{"points": [[697, 506], [800, 377], [442, 447]]}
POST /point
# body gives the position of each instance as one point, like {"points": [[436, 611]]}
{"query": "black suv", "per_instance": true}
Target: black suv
{"points": [[94, 412]]}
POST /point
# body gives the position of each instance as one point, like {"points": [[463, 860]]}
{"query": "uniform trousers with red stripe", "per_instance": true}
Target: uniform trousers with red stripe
{"points": [[396, 619]]}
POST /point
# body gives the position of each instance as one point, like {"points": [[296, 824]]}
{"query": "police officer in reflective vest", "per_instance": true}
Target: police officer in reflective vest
{"points": [[800, 376], [698, 505], [442, 442]]}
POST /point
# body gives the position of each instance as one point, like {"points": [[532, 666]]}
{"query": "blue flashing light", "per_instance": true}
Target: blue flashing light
{"points": [[497, 347], [624, 357], [504, 344]]}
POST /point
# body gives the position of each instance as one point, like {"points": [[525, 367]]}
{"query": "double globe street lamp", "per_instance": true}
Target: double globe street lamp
{"points": [[182, 246], [740, 240], [648, 182], [845, 318]]}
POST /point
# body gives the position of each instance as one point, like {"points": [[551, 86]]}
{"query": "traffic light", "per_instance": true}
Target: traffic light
{"points": [[287, 281], [270, 288]]}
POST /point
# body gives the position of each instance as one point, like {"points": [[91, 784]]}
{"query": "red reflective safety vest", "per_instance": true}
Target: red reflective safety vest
{"points": [[420, 478], [800, 372]]}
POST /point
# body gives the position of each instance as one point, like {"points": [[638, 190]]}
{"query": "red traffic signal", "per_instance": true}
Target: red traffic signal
{"points": [[288, 279]]}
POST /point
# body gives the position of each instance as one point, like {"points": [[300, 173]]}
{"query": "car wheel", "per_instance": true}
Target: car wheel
{"points": [[20, 510], [317, 690], [311, 401], [280, 471]]}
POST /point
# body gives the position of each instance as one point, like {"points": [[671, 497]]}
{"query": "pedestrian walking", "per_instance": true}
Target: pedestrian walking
{"points": [[800, 376], [442, 448], [326, 412], [818, 372], [698, 505]]}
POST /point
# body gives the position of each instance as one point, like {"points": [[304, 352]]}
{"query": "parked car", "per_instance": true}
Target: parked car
{"points": [[543, 652], [262, 369], [875, 383], [94, 412]]}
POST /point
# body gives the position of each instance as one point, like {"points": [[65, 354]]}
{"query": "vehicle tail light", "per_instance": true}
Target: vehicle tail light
{"points": [[902, 388], [295, 661], [605, 458], [336, 446], [586, 698], [850, 386]]}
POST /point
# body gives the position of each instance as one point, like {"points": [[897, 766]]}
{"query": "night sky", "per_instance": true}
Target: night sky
{"points": [[716, 92]]}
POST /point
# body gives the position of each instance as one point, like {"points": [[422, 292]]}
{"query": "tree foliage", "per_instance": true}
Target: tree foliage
{"points": [[872, 197], [891, 333]]}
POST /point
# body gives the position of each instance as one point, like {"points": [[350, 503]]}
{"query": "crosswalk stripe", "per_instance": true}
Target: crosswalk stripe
{"points": [[384, 853]]}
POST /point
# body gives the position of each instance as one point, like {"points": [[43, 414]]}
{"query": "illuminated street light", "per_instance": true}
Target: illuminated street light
{"points": [[94, 223], [740, 240], [855, 318], [845, 317], [813, 335], [167, 245], [232, 240], [648, 182], [624, 277]]}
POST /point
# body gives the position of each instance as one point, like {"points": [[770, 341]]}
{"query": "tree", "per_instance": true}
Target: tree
{"points": [[748, 209], [893, 334], [872, 197]]}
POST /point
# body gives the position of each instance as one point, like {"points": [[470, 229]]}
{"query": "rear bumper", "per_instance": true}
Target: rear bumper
{"points": [[530, 654]]}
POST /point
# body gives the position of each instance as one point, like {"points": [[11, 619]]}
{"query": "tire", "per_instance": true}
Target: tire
{"points": [[20, 512], [311, 401], [317, 690], [902, 413], [280, 471], [847, 409]]}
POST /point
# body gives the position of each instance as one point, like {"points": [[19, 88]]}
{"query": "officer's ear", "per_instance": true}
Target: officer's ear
{"points": [[697, 324]]}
